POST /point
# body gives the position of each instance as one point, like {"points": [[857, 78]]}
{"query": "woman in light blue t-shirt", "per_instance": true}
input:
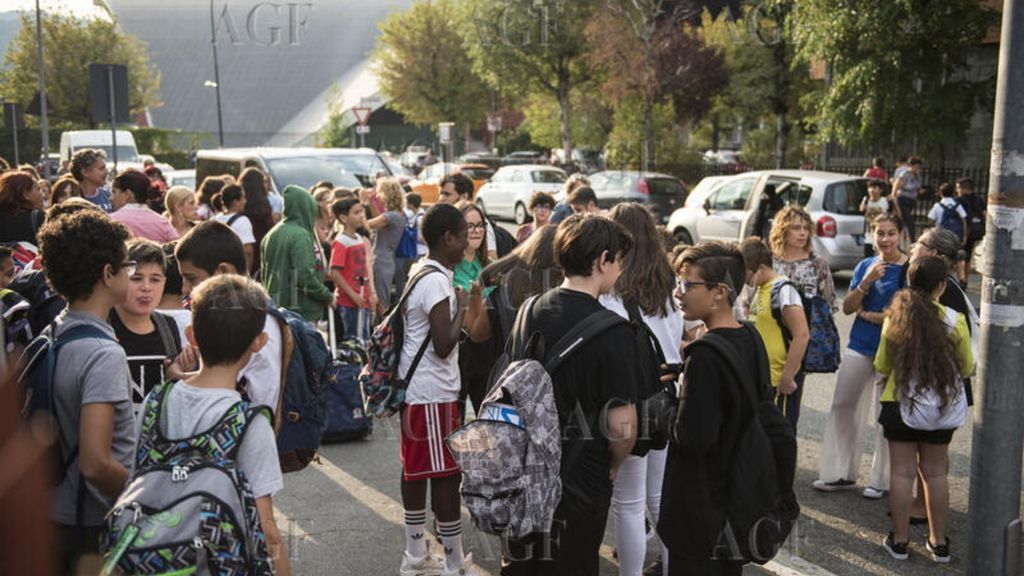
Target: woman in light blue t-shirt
{"points": [[875, 281]]}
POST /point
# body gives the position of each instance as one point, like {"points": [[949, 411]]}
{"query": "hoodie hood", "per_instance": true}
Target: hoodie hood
{"points": [[299, 208]]}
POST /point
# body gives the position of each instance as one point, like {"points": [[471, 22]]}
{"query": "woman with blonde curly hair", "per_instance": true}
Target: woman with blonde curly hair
{"points": [[793, 254], [388, 227], [182, 210]]}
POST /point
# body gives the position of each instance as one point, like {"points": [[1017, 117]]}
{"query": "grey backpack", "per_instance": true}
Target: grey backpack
{"points": [[188, 508], [511, 455]]}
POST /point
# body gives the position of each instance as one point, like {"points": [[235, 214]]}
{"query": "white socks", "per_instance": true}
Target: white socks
{"points": [[451, 539], [415, 533]]}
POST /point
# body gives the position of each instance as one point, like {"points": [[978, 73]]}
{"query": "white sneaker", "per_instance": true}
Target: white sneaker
{"points": [[872, 493], [467, 568], [429, 565]]}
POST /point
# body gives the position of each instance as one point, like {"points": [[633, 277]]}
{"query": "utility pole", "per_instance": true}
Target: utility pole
{"points": [[994, 531], [216, 77], [44, 118]]}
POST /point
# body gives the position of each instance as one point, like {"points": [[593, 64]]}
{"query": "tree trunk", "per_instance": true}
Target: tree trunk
{"points": [[781, 102], [563, 115], [648, 151], [715, 135]]}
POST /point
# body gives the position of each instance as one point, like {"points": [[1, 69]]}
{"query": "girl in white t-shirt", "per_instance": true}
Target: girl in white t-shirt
{"points": [[230, 203], [871, 206]]}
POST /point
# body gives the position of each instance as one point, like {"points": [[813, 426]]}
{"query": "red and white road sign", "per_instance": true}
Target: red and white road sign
{"points": [[362, 114]]}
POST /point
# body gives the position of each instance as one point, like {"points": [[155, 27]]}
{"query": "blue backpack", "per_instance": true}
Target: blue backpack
{"points": [[407, 243], [951, 220], [823, 348], [302, 412], [39, 361]]}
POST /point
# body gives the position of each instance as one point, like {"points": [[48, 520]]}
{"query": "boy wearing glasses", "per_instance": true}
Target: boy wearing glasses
{"points": [[85, 261]]}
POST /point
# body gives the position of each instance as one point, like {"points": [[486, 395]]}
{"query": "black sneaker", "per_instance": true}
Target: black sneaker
{"points": [[939, 553], [897, 550], [835, 485]]}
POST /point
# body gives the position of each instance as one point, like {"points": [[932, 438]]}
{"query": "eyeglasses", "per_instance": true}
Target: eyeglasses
{"points": [[131, 266], [685, 285], [472, 227], [542, 207]]}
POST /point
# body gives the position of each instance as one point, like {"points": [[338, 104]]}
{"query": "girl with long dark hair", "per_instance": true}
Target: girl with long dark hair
{"points": [[257, 208]]}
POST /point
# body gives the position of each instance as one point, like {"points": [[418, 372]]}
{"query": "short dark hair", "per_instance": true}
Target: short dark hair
{"points": [[6, 252], [902, 159], [914, 161], [75, 250], [876, 183], [135, 182], [583, 195], [226, 197], [208, 245], [439, 219], [718, 263], [947, 190], [541, 199], [966, 183], [343, 206], [173, 283], [228, 313], [413, 200], [878, 162], [755, 253], [463, 185], [145, 251], [84, 159], [582, 239]]}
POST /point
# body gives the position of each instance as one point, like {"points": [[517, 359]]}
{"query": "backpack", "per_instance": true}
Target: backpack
{"points": [[301, 413], [650, 358], [188, 508], [975, 207], [35, 382], [923, 409], [383, 388], [45, 304], [504, 241], [762, 507], [823, 348], [951, 220], [14, 311], [407, 243], [510, 457]]}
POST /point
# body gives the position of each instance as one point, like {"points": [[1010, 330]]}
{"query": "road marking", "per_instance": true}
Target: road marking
{"points": [[292, 529]]}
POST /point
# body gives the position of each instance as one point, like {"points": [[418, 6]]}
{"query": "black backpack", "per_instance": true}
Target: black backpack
{"points": [[762, 507], [504, 240], [45, 304], [650, 357]]}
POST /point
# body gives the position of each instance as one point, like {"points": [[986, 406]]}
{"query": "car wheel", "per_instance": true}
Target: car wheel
{"points": [[522, 216], [681, 236]]}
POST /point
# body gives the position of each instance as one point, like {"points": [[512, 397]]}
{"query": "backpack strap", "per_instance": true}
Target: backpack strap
{"points": [[593, 325], [776, 306], [149, 431], [420, 274], [163, 327], [235, 217], [636, 318], [755, 391]]}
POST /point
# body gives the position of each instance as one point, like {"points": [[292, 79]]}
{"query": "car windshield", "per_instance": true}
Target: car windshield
{"points": [[350, 170], [548, 176], [664, 187], [478, 173], [845, 197]]}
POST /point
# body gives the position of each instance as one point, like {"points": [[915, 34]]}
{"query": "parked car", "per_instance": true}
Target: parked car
{"points": [[508, 193], [521, 157], [304, 167], [660, 192], [428, 183], [53, 159], [186, 178], [72, 141], [732, 208], [481, 158]]}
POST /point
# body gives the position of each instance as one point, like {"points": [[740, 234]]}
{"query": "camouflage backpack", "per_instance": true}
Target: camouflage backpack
{"points": [[188, 508], [511, 456]]}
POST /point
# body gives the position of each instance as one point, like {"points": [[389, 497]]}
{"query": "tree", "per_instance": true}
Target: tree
{"points": [[897, 69], [653, 58], [531, 46], [627, 147], [71, 45], [590, 122], [423, 67]]}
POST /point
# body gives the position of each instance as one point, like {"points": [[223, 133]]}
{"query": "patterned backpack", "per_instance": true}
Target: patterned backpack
{"points": [[383, 389], [188, 508], [823, 349]]}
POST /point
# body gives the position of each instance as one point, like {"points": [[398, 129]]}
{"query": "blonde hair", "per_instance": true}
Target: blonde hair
{"points": [[391, 190], [174, 197], [781, 224]]}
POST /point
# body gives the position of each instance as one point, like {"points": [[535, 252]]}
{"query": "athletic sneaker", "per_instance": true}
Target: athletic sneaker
{"points": [[897, 550], [467, 568], [835, 485], [872, 493], [429, 565], [939, 553]]}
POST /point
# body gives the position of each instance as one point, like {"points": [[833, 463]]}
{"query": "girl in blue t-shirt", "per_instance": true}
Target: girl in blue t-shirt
{"points": [[875, 281]]}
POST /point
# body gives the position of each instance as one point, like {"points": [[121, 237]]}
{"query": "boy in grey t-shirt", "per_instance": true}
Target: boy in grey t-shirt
{"points": [[85, 261], [228, 316]]}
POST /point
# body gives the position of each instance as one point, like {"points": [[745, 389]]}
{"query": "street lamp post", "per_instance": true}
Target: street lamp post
{"points": [[216, 76], [44, 118]]}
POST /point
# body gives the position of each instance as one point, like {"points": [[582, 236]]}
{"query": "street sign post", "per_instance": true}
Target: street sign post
{"points": [[362, 114], [444, 130], [14, 120]]}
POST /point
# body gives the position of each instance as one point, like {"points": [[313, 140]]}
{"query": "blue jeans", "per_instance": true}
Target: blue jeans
{"points": [[354, 323]]}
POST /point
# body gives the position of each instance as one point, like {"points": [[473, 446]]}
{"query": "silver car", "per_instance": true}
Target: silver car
{"points": [[732, 208]]}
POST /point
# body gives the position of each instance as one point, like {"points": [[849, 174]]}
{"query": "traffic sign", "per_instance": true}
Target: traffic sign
{"points": [[445, 129], [362, 129], [494, 123], [362, 114]]}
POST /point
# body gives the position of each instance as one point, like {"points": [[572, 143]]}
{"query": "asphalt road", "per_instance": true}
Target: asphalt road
{"points": [[344, 515]]}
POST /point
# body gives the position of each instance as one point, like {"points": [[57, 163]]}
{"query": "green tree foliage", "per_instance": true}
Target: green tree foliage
{"points": [[336, 132], [626, 143], [424, 69], [590, 122], [898, 69], [71, 45], [531, 46]]}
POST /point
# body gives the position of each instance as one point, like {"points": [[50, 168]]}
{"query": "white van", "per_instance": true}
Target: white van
{"points": [[127, 154]]}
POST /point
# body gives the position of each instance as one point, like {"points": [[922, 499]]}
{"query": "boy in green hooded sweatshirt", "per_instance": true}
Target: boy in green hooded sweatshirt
{"points": [[291, 273]]}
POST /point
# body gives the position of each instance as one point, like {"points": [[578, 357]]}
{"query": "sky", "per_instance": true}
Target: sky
{"points": [[78, 7]]}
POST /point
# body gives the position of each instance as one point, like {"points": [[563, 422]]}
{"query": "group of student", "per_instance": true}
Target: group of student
{"points": [[458, 316]]}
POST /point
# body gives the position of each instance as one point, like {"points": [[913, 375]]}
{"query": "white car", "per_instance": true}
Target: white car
{"points": [[508, 193], [731, 208]]}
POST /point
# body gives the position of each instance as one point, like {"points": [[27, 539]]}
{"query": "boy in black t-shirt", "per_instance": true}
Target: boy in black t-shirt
{"points": [[708, 421], [595, 392]]}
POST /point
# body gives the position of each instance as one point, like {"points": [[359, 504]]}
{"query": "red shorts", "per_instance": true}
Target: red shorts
{"points": [[424, 428]]}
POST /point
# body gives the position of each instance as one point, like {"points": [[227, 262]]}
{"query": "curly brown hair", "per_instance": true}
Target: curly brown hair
{"points": [[917, 336], [75, 249], [781, 224]]}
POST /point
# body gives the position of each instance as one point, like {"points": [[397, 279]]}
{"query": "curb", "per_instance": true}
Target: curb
{"points": [[794, 566]]}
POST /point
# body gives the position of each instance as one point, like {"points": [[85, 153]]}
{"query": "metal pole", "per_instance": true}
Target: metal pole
{"points": [[113, 115], [998, 426], [216, 77], [14, 134], [44, 118]]}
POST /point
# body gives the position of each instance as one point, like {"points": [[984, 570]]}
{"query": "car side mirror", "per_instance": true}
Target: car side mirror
{"points": [[707, 206]]}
